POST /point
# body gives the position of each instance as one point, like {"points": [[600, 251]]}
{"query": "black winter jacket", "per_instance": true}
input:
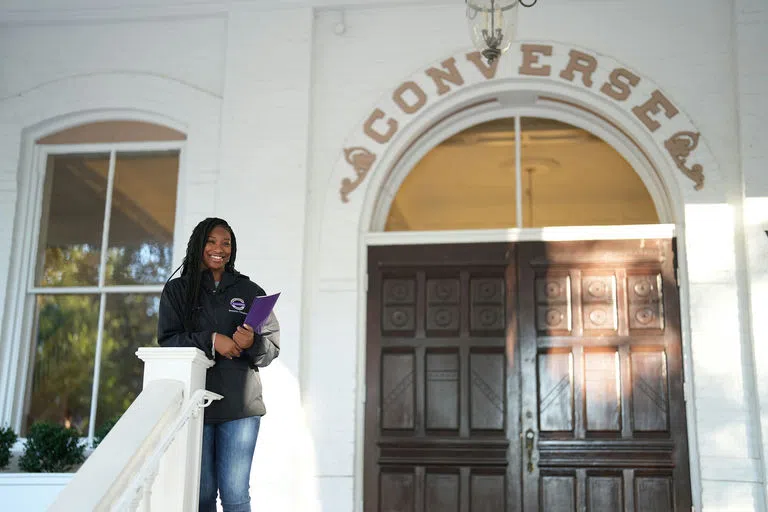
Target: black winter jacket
{"points": [[221, 311]]}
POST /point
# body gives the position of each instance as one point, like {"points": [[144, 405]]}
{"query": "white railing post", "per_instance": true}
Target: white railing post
{"points": [[177, 485]]}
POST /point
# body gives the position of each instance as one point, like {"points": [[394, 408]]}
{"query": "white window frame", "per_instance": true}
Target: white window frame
{"points": [[20, 310]]}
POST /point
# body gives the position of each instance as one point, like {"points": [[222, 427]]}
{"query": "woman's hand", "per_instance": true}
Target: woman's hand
{"points": [[244, 336], [226, 346]]}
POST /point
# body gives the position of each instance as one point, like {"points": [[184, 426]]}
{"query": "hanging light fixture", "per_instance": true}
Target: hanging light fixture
{"points": [[492, 24]]}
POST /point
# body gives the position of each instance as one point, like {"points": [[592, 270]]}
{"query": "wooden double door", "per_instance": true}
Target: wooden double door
{"points": [[525, 376]]}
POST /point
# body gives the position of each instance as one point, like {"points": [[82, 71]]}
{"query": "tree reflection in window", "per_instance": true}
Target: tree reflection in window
{"points": [[76, 283]]}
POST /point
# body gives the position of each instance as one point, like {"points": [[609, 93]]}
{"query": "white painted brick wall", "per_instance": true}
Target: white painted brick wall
{"points": [[732, 497], [187, 49], [686, 47], [116, 86], [186, 108], [379, 49], [352, 71], [262, 192], [10, 140], [752, 40], [751, 26], [262, 183], [293, 90]]}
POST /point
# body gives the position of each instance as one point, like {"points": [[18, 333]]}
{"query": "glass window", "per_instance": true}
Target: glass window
{"points": [[466, 182], [141, 225], [130, 322], [570, 177], [567, 177], [73, 220], [95, 307], [63, 359]]}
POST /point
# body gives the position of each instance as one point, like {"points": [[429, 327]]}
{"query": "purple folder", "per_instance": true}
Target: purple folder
{"points": [[260, 310]]}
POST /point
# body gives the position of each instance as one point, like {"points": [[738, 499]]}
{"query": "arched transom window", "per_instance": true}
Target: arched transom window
{"points": [[544, 173]]}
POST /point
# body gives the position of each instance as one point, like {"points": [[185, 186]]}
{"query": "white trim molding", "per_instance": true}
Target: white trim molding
{"points": [[547, 234]]}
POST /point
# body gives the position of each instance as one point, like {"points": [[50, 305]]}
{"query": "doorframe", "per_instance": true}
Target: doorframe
{"points": [[547, 234]]}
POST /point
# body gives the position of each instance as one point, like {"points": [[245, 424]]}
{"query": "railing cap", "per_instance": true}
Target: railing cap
{"points": [[182, 354]]}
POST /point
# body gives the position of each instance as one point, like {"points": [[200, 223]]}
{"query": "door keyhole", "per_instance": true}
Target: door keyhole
{"points": [[529, 436]]}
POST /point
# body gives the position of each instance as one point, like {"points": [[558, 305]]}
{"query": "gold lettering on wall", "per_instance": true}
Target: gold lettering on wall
{"points": [[410, 97], [381, 138], [450, 74], [487, 71], [619, 84], [361, 161], [581, 62], [531, 54], [644, 111], [416, 91], [679, 147]]}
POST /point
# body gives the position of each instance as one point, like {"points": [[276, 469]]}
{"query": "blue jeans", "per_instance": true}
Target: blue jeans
{"points": [[226, 464]]}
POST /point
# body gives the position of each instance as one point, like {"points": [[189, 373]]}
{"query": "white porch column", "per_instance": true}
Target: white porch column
{"points": [[179, 472], [756, 234], [751, 38]]}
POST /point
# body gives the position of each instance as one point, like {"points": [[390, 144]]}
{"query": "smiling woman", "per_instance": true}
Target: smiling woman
{"points": [[204, 309]]}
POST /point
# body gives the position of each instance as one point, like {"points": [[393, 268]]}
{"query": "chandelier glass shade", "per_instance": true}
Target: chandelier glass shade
{"points": [[492, 25]]}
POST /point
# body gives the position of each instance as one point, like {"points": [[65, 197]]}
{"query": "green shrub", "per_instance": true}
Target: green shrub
{"points": [[7, 439], [51, 448], [103, 430]]}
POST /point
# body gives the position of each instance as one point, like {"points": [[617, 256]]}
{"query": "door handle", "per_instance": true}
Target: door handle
{"points": [[529, 437]]}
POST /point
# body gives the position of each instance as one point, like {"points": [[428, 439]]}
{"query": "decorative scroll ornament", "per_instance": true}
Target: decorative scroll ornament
{"points": [[680, 146], [361, 160]]}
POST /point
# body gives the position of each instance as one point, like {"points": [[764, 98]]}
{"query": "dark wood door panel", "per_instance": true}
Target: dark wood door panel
{"points": [[529, 376], [606, 491], [602, 377], [443, 489], [441, 401]]}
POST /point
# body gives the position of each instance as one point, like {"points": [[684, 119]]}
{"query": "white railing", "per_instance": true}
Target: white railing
{"points": [[139, 491], [154, 446]]}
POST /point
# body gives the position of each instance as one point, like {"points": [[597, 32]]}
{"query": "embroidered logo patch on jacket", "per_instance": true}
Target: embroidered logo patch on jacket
{"points": [[237, 303]]}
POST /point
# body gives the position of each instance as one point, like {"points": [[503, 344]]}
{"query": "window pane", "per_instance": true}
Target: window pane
{"points": [[72, 220], [130, 323], [572, 178], [465, 182], [569, 177], [142, 220], [63, 360]]}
